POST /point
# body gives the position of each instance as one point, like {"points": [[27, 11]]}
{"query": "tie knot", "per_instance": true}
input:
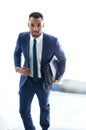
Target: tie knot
{"points": [[34, 40]]}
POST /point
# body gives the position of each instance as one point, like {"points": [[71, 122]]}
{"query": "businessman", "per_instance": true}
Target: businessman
{"points": [[37, 48]]}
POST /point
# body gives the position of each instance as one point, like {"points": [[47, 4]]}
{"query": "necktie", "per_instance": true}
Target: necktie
{"points": [[35, 68]]}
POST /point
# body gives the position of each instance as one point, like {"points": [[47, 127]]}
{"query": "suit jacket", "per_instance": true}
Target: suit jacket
{"points": [[50, 47]]}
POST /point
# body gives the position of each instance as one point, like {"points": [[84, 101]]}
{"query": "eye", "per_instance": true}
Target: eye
{"points": [[32, 25], [39, 25]]}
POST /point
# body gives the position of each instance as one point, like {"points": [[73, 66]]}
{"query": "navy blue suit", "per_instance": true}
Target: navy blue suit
{"points": [[27, 87]]}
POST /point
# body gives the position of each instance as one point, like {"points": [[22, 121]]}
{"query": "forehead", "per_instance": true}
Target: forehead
{"points": [[35, 20]]}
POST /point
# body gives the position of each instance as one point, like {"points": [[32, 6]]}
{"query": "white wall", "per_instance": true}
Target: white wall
{"points": [[63, 18]]}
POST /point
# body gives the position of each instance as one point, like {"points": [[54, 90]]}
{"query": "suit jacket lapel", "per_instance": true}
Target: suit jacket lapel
{"points": [[43, 49]]}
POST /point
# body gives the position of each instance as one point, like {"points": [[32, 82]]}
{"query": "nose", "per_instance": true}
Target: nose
{"points": [[35, 28]]}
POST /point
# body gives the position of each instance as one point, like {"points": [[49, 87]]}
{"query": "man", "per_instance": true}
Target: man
{"points": [[30, 84]]}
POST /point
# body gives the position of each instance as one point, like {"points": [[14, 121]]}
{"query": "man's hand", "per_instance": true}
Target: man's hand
{"points": [[23, 71], [54, 83]]}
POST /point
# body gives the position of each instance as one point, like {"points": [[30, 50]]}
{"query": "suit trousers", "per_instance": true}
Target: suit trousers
{"points": [[26, 95]]}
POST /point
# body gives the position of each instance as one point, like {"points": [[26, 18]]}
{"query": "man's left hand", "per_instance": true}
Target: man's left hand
{"points": [[54, 83]]}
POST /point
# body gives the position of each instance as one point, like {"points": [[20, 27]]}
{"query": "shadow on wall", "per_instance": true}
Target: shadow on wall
{"points": [[71, 86]]}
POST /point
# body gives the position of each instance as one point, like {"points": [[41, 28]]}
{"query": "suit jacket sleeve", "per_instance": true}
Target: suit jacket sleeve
{"points": [[61, 60], [17, 53]]}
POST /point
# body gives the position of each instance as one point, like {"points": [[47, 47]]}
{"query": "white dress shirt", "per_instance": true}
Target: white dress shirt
{"points": [[39, 54]]}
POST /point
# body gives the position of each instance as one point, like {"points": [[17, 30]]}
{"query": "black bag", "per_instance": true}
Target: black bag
{"points": [[50, 70]]}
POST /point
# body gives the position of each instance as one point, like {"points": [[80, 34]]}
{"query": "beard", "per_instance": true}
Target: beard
{"points": [[35, 34]]}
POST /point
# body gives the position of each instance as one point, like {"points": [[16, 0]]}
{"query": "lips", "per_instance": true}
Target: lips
{"points": [[35, 34]]}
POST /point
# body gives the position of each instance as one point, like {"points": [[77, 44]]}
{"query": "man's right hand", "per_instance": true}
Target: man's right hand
{"points": [[23, 71]]}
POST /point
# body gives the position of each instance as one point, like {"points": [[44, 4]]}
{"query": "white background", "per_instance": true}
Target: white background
{"points": [[65, 19]]}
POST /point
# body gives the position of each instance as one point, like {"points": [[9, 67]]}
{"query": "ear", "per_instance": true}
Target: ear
{"points": [[43, 24]]}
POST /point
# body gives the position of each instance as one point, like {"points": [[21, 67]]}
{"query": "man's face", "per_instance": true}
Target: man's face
{"points": [[35, 25]]}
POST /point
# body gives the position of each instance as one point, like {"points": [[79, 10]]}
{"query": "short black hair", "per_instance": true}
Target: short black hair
{"points": [[36, 15]]}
